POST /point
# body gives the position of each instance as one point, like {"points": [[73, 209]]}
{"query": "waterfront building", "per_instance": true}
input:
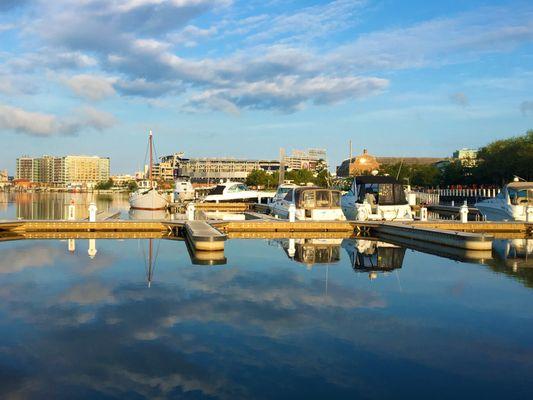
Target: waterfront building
{"points": [[70, 170], [4, 179], [360, 165], [25, 169], [311, 159], [122, 179], [467, 157], [211, 170], [85, 170]]}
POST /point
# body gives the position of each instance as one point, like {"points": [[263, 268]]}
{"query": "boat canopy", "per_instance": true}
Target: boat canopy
{"points": [[311, 197], [381, 190]]}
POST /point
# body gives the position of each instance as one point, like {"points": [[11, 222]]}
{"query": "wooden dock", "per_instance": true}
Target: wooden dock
{"points": [[210, 235]]}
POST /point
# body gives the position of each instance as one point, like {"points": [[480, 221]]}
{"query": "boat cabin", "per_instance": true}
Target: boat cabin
{"points": [[378, 190], [311, 197]]}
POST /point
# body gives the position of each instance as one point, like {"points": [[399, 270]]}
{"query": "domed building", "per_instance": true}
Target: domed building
{"points": [[360, 165]]}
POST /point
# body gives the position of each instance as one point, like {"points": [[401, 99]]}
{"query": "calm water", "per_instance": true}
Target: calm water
{"points": [[283, 319]]}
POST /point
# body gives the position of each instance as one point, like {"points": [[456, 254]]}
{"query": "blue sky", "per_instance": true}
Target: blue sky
{"points": [[244, 78]]}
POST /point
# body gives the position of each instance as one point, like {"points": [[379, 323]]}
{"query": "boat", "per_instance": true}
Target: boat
{"points": [[376, 198], [147, 197], [183, 189], [230, 191], [511, 204], [282, 191], [311, 203]]}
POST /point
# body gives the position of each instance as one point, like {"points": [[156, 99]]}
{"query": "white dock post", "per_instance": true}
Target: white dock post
{"points": [[463, 212], [453, 203], [529, 214], [423, 214], [92, 212], [292, 212], [72, 245], [71, 211], [190, 211]]}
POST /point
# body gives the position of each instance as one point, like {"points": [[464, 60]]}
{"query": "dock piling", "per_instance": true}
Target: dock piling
{"points": [[92, 212]]}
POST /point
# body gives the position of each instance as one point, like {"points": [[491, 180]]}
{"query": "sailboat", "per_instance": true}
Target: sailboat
{"points": [[147, 197]]}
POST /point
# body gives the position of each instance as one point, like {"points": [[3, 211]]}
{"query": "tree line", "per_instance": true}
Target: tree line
{"points": [[497, 164]]}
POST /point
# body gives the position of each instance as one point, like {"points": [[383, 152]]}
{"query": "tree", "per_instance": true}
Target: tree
{"points": [[501, 160], [257, 177], [132, 186], [104, 185]]}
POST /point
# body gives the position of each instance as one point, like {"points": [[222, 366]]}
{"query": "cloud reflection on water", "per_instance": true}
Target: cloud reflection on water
{"points": [[249, 329]]}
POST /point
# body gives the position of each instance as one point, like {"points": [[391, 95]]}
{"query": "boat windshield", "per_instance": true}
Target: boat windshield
{"points": [[283, 190], [521, 196], [237, 188]]}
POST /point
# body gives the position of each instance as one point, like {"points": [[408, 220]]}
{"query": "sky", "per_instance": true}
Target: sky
{"points": [[231, 78]]}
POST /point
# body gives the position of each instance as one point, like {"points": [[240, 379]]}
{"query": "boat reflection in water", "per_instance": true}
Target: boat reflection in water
{"points": [[514, 253], [311, 251], [373, 256]]}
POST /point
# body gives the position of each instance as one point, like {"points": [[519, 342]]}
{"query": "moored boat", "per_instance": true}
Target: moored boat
{"points": [[232, 192], [513, 203], [147, 197], [376, 198], [310, 203], [183, 189]]}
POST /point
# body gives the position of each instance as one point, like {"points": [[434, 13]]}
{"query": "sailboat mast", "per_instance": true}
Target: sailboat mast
{"points": [[151, 159]]}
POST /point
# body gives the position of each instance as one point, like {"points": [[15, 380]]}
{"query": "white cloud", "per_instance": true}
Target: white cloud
{"points": [[91, 87], [289, 94], [44, 125]]}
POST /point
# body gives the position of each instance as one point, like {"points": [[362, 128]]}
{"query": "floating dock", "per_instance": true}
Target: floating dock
{"points": [[210, 235]]}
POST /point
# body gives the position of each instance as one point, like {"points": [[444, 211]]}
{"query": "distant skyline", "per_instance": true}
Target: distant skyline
{"points": [[229, 78]]}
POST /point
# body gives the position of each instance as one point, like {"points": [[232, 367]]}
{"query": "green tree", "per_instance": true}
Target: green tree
{"points": [[132, 186], [257, 177], [500, 160], [104, 185]]}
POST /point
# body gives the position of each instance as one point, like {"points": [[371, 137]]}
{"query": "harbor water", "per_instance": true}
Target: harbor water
{"points": [[282, 318]]}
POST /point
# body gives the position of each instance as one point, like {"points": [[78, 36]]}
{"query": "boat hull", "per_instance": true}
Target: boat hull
{"points": [[149, 200]]}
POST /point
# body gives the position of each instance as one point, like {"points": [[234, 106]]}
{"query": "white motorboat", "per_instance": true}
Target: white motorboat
{"points": [[376, 198], [183, 189], [511, 204], [232, 192], [147, 196], [310, 203]]}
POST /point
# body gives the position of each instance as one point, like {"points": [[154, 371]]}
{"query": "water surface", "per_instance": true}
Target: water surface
{"points": [[284, 319]]}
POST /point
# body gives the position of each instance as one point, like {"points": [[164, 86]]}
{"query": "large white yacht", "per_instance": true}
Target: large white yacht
{"points": [[310, 203], [510, 204], [147, 196], [376, 198], [232, 191]]}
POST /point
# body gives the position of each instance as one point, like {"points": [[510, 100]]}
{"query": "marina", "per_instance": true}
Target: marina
{"points": [[266, 200]]}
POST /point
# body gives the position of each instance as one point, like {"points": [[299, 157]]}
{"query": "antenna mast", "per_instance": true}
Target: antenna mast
{"points": [[281, 166]]}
